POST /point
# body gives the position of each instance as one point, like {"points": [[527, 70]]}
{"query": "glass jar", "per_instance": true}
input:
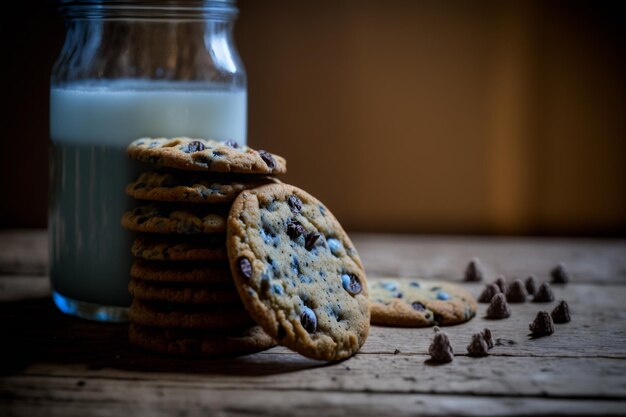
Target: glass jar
{"points": [[128, 70]]}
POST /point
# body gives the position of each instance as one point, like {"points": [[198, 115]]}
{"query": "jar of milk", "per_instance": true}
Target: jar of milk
{"points": [[127, 70]]}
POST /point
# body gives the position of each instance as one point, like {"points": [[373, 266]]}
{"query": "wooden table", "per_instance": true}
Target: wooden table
{"points": [[58, 365]]}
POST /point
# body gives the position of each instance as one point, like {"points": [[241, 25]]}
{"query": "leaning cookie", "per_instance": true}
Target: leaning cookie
{"points": [[419, 303], [297, 272], [198, 342], [205, 155], [155, 218], [191, 188]]}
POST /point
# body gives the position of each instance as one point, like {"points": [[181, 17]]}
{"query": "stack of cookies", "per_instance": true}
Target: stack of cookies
{"points": [[185, 301]]}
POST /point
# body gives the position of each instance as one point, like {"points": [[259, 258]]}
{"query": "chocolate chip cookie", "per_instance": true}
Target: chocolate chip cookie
{"points": [[297, 272], [155, 247], [199, 342], [183, 292], [205, 155], [191, 187], [418, 303], [188, 220], [181, 272]]}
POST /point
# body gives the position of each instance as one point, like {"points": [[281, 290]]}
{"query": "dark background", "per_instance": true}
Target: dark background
{"points": [[406, 116]]}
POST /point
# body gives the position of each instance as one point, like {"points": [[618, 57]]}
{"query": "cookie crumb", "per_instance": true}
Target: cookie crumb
{"points": [[440, 349], [488, 293], [395, 352], [531, 285], [478, 346], [544, 294], [488, 338], [498, 309], [560, 314], [543, 325], [501, 283], [475, 271], [559, 274], [516, 293]]}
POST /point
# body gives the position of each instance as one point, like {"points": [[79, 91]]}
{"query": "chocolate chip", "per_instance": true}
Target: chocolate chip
{"points": [[501, 283], [267, 158], [140, 186], [280, 332], [142, 219], [245, 267], [418, 306], [231, 143], [542, 325], [195, 146], [544, 294], [498, 309], [531, 285], [308, 319], [310, 239], [440, 350], [560, 314], [294, 204], [474, 271], [559, 274], [516, 293], [488, 293], [488, 338], [478, 346], [295, 229], [351, 283]]}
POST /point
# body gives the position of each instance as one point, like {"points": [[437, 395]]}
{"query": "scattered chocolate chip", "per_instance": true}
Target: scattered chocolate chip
{"points": [[560, 314], [531, 285], [245, 267], [516, 293], [498, 309], [418, 306], [308, 319], [310, 239], [195, 146], [294, 204], [440, 350], [351, 283], [232, 144], [395, 352], [488, 338], [559, 274], [488, 293], [501, 283], [478, 346], [295, 229], [267, 158], [543, 294], [475, 271], [543, 325]]}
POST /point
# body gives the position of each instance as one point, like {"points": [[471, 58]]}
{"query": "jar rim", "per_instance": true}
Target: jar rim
{"points": [[148, 9]]}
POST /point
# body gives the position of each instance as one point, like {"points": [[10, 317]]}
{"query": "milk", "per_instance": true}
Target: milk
{"points": [[90, 126]]}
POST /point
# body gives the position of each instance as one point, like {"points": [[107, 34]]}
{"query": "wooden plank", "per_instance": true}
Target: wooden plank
{"points": [[490, 376], [33, 398], [589, 260], [23, 252], [15, 288]]}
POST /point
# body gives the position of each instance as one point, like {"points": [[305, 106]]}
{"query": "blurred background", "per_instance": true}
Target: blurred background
{"points": [[482, 117]]}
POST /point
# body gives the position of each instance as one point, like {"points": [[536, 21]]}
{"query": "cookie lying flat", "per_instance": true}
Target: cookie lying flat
{"points": [[157, 247], [155, 218], [418, 303], [183, 293], [191, 188], [297, 272], [182, 272], [198, 342], [205, 155], [188, 316]]}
